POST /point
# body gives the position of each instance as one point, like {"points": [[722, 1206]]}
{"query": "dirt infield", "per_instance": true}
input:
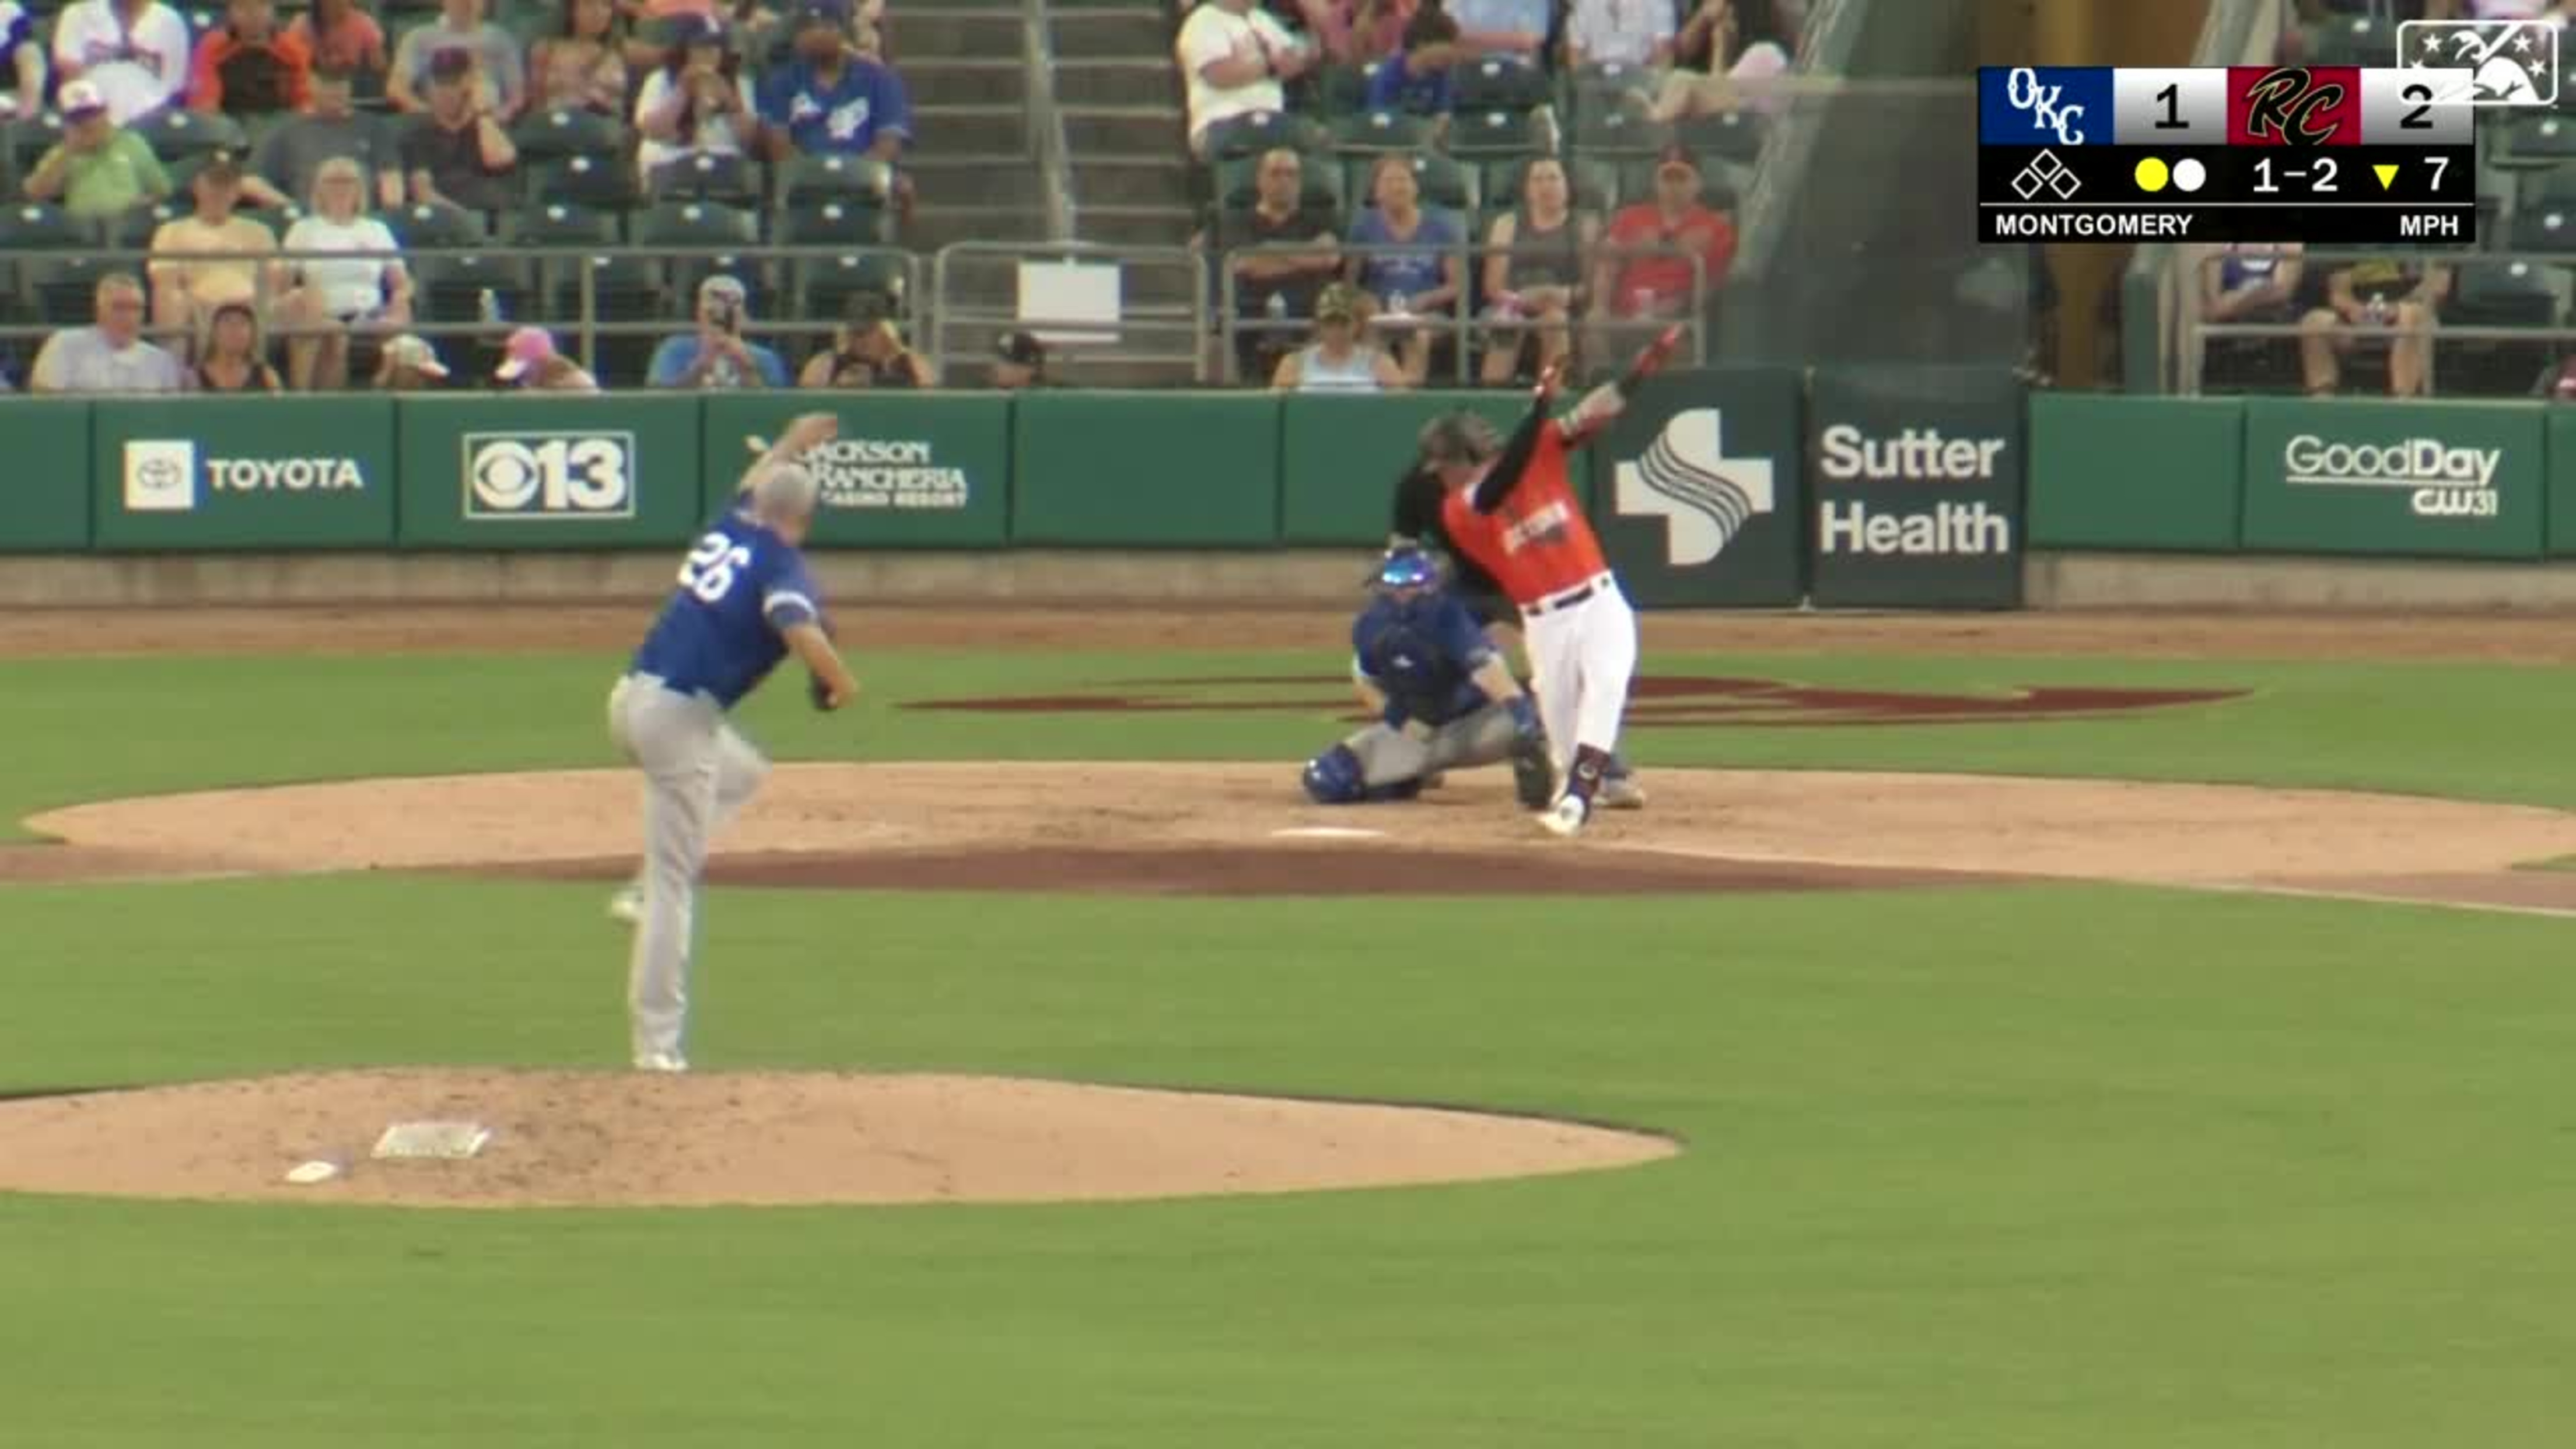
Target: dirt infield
{"points": [[584, 1139], [486, 628]]}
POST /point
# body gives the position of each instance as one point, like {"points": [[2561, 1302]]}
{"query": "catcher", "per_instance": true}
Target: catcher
{"points": [[1443, 695]]}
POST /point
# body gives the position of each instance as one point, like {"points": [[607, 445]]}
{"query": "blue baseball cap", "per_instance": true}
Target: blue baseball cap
{"points": [[1408, 568]]}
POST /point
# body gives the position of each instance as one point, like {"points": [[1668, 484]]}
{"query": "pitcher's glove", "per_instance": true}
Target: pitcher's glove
{"points": [[1533, 778]]}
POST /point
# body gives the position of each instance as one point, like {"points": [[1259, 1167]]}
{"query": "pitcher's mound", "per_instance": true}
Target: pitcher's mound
{"points": [[586, 1139]]}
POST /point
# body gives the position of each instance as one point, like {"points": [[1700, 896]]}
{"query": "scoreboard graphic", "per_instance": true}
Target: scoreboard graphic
{"points": [[2336, 155]]}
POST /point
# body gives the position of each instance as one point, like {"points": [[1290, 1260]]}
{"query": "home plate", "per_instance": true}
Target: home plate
{"points": [[1326, 832]]}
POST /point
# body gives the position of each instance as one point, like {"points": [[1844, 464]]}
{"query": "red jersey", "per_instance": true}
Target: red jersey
{"points": [[1654, 282], [1537, 544]]}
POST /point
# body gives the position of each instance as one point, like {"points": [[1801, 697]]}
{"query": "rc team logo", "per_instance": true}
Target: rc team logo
{"points": [[1685, 478], [160, 475], [2512, 62]]}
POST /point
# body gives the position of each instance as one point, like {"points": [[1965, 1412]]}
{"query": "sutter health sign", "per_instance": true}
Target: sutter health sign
{"points": [[2357, 476], [1918, 488]]}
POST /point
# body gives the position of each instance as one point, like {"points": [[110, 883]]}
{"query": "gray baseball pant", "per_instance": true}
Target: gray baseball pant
{"points": [[1389, 756], [698, 773]]}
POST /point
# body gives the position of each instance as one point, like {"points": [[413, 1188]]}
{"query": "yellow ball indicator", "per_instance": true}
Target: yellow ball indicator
{"points": [[2152, 175]]}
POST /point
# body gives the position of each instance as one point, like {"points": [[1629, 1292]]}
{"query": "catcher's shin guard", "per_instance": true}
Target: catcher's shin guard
{"points": [[1533, 778]]}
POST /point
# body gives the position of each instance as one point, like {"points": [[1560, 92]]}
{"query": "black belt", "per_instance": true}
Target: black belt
{"points": [[1562, 601]]}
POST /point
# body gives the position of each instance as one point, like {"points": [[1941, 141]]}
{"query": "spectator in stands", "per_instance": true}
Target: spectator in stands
{"points": [[185, 293], [715, 354], [134, 51], [248, 66], [230, 358], [1635, 33], [828, 101], [690, 104], [1019, 362], [500, 73], [341, 36], [1534, 272], [2250, 282], [1503, 27], [1356, 32], [1722, 65], [1647, 271], [867, 351], [1278, 287], [290, 157], [582, 66], [530, 361], [99, 169], [1423, 81], [457, 154], [2397, 298], [110, 356], [409, 364], [1338, 360], [1423, 277], [347, 273], [22, 62], [1232, 60]]}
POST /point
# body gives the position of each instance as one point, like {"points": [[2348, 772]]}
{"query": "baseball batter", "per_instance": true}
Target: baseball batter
{"points": [[1511, 508], [743, 603], [1419, 497], [1444, 697]]}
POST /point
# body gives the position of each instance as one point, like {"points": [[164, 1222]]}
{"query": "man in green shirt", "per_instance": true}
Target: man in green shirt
{"points": [[98, 170]]}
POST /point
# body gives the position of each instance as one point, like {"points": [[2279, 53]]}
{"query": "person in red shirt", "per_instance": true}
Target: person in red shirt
{"points": [[249, 67], [1511, 509], [1630, 284]]}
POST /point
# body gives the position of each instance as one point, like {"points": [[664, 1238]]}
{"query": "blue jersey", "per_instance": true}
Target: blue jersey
{"points": [[1422, 656], [741, 589]]}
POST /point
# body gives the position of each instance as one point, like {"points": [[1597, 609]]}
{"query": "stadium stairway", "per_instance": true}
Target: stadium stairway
{"points": [[1121, 99], [974, 174]]}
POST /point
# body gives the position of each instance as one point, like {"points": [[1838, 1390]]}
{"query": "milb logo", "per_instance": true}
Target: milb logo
{"points": [[567, 475]]}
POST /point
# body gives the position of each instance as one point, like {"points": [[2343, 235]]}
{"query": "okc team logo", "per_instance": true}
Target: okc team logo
{"points": [[1704, 497], [2513, 62]]}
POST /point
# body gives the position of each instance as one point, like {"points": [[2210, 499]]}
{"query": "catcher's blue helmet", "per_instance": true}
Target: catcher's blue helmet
{"points": [[1408, 568]]}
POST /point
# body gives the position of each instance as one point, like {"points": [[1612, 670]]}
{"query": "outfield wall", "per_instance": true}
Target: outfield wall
{"points": [[1875, 487]]}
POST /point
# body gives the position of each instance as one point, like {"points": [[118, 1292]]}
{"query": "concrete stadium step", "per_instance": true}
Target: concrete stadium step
{"points": [[955, 28], [1111, 31], [1001, 178], [1123, 130], [978, 128], [1117, 80], [1134, 225], [936, 227], [963, 80], [1156, 180]]}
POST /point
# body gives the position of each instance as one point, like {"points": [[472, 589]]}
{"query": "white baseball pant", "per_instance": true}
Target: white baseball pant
{"points": [[1583, 652]]}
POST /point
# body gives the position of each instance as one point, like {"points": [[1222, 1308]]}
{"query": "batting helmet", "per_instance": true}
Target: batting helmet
{"points": [[1459, 438]]}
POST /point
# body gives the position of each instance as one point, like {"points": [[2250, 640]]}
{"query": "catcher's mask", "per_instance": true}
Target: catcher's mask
{"points": [[1407, 568], [1459, 438]]}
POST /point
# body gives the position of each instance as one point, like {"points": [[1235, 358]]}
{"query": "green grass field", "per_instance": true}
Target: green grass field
{"points": [[2047, 1167]]}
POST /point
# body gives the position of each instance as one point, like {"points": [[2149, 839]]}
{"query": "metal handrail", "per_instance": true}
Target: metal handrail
{"points": [[586, 326], [1047, 139], [1455, 321], [948, 313]]}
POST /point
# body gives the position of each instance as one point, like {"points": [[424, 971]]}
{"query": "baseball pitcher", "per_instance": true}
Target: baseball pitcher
{"points": [[744, 602], [1443, 695], [1511, 508]]}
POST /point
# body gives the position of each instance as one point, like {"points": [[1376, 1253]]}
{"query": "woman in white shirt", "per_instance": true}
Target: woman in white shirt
{"points": [[336, 291], [690, 105]]}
